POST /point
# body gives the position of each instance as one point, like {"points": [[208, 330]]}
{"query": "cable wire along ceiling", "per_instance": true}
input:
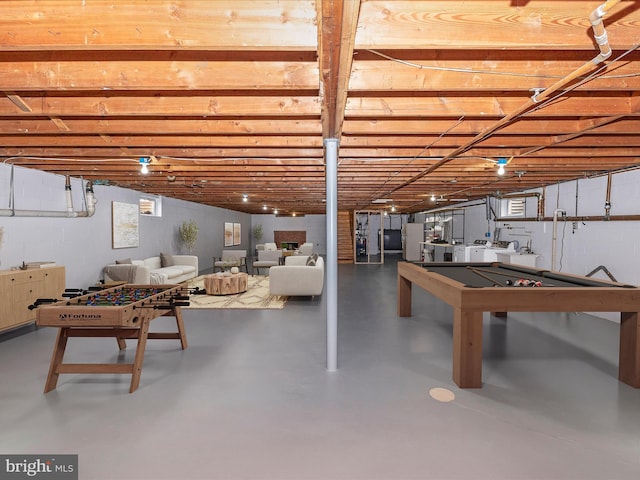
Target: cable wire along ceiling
{"points": [[229, 103]]}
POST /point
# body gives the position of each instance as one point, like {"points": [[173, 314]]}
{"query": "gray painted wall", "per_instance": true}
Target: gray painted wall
{"points": [[614, 244], [314, 225], [84, 245]]}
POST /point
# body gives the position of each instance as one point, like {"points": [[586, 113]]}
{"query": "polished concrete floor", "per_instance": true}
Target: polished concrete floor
{"points": [[251, 398]]}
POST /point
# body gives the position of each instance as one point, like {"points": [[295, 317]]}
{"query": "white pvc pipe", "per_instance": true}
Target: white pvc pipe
{"points": [[67, 191], [555, 237], [68, 213], [331, 266]]}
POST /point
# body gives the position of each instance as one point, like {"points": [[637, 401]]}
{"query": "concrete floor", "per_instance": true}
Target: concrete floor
{"points": [[251, 398]]}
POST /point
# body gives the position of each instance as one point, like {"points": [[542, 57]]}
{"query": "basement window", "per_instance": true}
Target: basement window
{"points": [[151, 206], [512, 207]]}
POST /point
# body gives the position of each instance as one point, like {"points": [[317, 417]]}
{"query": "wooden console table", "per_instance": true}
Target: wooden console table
{"points": [[21, 288]]}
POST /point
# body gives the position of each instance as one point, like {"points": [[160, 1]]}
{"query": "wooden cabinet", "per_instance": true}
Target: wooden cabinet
{"points": [[21, 288]]}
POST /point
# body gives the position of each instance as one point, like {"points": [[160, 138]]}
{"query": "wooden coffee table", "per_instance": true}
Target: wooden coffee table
{"points": [[226, 284]]}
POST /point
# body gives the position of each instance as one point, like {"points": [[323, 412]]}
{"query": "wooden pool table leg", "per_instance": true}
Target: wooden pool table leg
{"points": [[404, 297], [629, 356], [467, 348]]}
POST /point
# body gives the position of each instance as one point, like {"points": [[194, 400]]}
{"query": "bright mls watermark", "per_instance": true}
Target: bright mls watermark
{"points": [[50, 467]]}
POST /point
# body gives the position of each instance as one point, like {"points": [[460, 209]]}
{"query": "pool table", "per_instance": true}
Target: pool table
{"points": [[474, 288]]}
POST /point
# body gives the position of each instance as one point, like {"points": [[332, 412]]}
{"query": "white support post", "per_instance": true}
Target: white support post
{"points": [[331, 267]]}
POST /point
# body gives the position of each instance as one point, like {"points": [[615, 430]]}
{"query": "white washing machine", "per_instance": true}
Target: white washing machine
{"points": [[490, 254], [464, 253], [460, 253]]}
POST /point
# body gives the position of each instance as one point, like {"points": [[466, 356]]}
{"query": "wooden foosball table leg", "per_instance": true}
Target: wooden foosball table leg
{"points": [[137, 363], [181, 331], [56, 360]]}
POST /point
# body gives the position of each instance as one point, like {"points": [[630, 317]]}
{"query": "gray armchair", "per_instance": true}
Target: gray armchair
{"points": [[231, 258], [267, 259], [306, 249]]}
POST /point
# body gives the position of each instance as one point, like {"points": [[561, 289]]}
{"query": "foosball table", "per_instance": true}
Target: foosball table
{"points": [[122, 312]]}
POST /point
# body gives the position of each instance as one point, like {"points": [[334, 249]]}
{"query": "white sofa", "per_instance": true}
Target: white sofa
{"points": [[296, 278], [164, 269]]}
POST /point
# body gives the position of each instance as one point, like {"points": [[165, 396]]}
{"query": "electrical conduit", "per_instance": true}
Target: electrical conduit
{"points": [[600, 36]]}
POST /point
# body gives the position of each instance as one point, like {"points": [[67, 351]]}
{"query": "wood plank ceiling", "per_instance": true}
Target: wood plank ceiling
{"points": [[236, 97]]}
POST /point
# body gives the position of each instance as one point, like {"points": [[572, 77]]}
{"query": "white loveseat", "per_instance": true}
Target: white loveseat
{"points": [[296, 278], [165, 269]]}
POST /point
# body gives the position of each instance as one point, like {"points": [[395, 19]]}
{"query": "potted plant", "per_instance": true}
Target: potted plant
{"points": [[257, 235], [189, 233], [257, 232]]}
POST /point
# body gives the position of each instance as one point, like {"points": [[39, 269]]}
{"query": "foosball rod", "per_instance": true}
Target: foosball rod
{"points": [[163, 306], [42, 301]]}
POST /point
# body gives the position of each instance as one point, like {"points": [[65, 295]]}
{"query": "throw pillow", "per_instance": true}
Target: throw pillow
{"points": [[127, 261], [166, 260], [311, 262]]}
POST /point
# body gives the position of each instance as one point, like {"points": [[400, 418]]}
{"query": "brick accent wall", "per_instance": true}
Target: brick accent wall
{"points": [[280, 236]]}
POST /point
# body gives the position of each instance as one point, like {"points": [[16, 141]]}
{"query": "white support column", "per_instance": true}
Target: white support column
{"points": [[331, 267]]}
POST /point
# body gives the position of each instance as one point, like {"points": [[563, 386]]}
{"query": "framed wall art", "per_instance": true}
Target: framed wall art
{"points": [[228, 234], [125, 225], [237, 236]]}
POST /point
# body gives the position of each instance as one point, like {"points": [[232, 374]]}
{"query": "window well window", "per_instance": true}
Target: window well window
{"points": [[513, 207], [151, 206]]}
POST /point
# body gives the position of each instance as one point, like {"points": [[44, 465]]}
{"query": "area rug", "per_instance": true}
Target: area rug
{"points": [[256, 296]]}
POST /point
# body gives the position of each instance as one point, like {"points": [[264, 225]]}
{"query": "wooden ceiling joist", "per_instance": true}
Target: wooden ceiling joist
{"points": [[238, 96]]}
